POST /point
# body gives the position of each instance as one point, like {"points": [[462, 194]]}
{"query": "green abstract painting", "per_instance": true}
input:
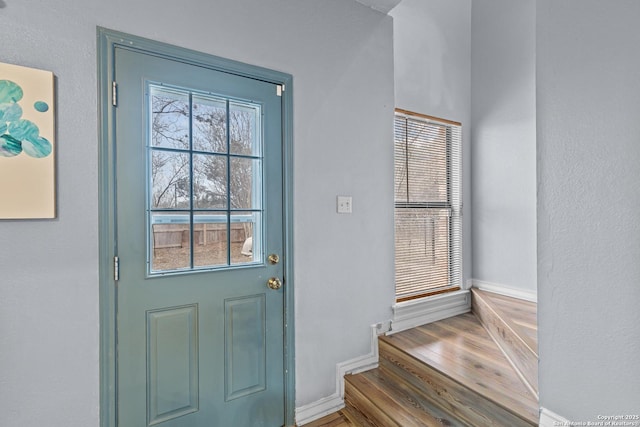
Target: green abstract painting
{"points": [[27, 132]]}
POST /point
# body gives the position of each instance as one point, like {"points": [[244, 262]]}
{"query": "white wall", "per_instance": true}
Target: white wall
{"points": [[432, 57], [503, 143], [340, 54], [588, 96]]}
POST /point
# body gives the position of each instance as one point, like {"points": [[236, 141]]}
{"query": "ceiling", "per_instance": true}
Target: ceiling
{"points": [[383, 6]]}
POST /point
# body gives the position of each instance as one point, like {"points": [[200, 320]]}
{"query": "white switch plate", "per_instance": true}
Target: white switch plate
{"points": [[344, 204]]}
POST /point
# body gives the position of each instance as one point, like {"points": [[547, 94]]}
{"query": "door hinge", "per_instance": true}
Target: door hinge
{"points": [[116, 268], [279, 90], [114, 93]]}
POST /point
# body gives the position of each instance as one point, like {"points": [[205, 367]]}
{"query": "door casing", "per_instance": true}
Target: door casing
{"points": [[107, 42]]}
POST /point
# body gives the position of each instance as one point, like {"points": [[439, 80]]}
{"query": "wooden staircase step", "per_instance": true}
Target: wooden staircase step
{"points": [[456, 360], [356, 417], [470, 370], [383, 400], [512, 325]]}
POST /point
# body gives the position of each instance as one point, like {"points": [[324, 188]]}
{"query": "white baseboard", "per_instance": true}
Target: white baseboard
{"points": [[409, 314], [318, 409], [330, 404], [505, 290], [550, 419]]}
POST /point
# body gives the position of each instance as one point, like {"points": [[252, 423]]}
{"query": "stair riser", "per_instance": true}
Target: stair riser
{"points": [[364, 408], [520, 355], [406, 406], [447, 394], [355, 417], [417, 398]]}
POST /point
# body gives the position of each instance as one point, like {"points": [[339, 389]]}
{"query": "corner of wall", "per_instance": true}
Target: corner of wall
{"points": [[508, 291], [329, 404]]}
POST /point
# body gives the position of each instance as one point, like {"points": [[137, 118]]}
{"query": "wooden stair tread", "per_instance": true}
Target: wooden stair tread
{"points": [[453, 357], [471, 339], [455, 348], [405, 406], [520, 315]]}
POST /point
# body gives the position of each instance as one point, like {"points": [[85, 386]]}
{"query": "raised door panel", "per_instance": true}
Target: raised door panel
{"points": [[245, 352], [172, 363]]}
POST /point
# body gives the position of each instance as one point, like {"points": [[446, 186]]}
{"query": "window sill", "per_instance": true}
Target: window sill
{"points": [[416, 312], [426, 294]]}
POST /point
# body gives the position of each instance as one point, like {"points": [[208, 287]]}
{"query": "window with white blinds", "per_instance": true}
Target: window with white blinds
{"points": [[428, 205]]}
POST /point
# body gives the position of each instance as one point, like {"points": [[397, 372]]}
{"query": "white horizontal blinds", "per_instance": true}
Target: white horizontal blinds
{"points": [[427, 205]]}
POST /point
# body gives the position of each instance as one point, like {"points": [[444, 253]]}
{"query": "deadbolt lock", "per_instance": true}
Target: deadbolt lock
{"points": [[274, 259]]}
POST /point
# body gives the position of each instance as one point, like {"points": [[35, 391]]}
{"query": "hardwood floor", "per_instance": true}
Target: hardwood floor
{"points": [[513, 326], [457, 359], [465, 371], [388, 399], [337, 419], [518, 314]]}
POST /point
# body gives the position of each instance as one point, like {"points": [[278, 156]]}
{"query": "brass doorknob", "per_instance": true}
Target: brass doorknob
{"points": [[274, 283]]}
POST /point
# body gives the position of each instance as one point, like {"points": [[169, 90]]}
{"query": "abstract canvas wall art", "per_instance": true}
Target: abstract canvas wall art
{"points": [[27, 143]]}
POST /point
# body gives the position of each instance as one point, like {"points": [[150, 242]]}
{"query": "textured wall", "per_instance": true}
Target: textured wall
{"points": [[588, 96], [503, 142], [340, 54], [432, 57]]}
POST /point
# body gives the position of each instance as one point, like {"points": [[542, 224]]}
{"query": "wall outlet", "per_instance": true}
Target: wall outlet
{"points": [[383, 327], [344, 204]]}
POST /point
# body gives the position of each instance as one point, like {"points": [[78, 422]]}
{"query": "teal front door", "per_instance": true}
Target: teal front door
{"points": [[199, 242]]}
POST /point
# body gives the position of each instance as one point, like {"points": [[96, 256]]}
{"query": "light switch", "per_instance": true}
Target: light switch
{"points": [[344, 204]]}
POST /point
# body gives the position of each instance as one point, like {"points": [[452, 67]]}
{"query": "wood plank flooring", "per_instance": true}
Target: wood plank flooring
{"points": [[391, 401], [458, 356], [521, 315], [454, 372], [512, 325], [337, 419]]}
